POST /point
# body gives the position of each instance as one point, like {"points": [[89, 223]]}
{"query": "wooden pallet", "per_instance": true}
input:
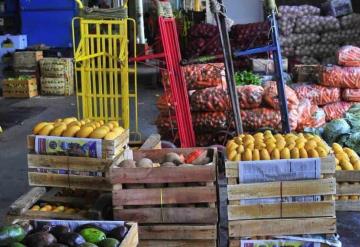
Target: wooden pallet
{"points": [[348, 185], [75, 172], [168, 195], [21, 208], [20, 88], [287, 218], [178, 235]]}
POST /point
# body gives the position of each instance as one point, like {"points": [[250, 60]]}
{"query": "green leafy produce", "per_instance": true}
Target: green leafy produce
{"points": [[247, 78], [335, 129], [353, 117], [353, 142]]}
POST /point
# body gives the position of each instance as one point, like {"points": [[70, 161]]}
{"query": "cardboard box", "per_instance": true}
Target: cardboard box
{"points": [[337, 8], [267, 65]]}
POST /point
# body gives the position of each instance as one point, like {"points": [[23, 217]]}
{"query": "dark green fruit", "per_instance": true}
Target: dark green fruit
{"points": [[17, 245], [40, 239], [82, 227], [109, 242], [58, 230], [93, 235], [11, 234], [71, 239], [118, 233]]}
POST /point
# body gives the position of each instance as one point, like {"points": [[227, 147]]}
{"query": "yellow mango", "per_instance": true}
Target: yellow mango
{"points": [[256, 154], [240, 149], [310, 145], [291, 144], [114, 123], [231, 156], [322, 152], [71, 132], [119, 130], [46, 130], [98, 133], [238, 157], [275, 154], [238, 140], [68, 120], [58, 130], [264, 155], [38, 127], [356, 165], [270, 147], [249, 146], [84, 132], [280, 145], [342, 156], [346, 165], [313, 153], [351, 153], [337, 148], [303, 153], [230, 146], [110, 125], [259, 135], [247, 155], [248, 138], [338, 168], [285, 154], [295, 153]]}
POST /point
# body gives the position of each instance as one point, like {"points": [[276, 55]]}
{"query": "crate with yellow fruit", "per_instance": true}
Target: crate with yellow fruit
{"points": [[75, 153], [347, 178], [276, 180]]}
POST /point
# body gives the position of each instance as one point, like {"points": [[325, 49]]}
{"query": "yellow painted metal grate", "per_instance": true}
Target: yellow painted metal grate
{"points": [[106, 86]]}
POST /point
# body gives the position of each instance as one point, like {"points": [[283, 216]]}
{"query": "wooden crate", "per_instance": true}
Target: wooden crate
{"points": [[21, 208], [75, 172], [27, 60], [167, 195], [178, 235], [131, 238], [20, 88], [307, 73], [348, 185], [286, 218]]}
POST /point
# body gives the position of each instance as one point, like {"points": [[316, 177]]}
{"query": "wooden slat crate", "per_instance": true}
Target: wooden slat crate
{"points": [[178, 235], [20, 88], [348, 186], [167, 195], [131, 238], [27, 60], [283, 218], [75, 172], [21, 208]]}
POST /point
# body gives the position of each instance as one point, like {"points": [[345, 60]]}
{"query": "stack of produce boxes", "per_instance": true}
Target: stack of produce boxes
{"points": [[171, 193], [71, 158], [312, 39], [279, 185]]}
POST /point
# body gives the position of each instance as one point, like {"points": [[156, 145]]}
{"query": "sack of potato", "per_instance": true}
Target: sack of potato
{"points": [[266, 146]]}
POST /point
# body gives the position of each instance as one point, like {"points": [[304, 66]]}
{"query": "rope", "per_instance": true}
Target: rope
{"points": [[96, 13]]}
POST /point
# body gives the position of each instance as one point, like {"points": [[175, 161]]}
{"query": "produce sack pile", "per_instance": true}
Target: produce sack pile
{"points": [[349, 56], [342, 77], [309, 38], [317, 94], [310, 115], [200, 76], [352, 95]]}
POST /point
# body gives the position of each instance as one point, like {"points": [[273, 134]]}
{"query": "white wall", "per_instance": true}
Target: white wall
{"points": [[244, 11]]}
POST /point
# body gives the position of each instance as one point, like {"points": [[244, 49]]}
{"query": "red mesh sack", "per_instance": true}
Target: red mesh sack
{"points": [[336, 110], [352, 95], [271, 96], [343, 77], [318, 95], [349, 56], [200, 76], [206, 121], [250, 96], [210, 99]]}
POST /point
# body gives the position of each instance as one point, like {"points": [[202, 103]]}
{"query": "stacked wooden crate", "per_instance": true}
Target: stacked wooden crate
{"points": [[348, 190], [174, 206], [280, 218], [27, 63], [20, 88], [75, 172]]}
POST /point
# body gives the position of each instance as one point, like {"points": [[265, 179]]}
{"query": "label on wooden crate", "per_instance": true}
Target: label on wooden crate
{"points": [[279, 170], [78, 147], [67, 172], [277, 243]]}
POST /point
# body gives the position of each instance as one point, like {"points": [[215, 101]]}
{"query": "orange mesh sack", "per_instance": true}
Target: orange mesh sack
{"points": [[200, 76], [343, 77], [336, 110], [271, 96], [250, 96], [318, 95], [352, 95], [349, 56], [310, 115], [210, 99]]}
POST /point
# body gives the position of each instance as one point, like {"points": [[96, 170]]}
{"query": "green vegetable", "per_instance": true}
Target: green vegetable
{"points": [[92, 235], [247, 78], [11, 234], [353, 117], [335, 129]]}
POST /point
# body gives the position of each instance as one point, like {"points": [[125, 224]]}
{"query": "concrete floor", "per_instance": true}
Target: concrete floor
{"points": [[13, 162]]}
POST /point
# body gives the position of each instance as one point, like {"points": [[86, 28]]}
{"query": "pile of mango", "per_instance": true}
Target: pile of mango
{"points": [[267, 146], [54, 208], [72, 127], [346, 158]]}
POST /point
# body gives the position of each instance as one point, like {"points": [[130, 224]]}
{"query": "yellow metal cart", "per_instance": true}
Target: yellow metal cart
{"points": [[105, 84]]}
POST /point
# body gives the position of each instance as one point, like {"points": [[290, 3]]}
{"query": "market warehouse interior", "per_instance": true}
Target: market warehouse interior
{"points": [[175, 123]]}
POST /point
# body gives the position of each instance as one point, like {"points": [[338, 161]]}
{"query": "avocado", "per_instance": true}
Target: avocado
{"points": [[58, 230], [88, 245], [11, 234], [17, 245], [40, 239], [71, 239], [92, 235], [118, 233], [28, 228], [109, 242]]}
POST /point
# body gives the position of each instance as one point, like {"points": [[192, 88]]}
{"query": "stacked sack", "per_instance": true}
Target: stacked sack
{"points": [[57, 76], [211, 107], [312, 39]]}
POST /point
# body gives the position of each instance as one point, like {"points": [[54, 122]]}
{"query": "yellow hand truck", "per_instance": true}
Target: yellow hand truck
{"points": [[106, 86]]}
